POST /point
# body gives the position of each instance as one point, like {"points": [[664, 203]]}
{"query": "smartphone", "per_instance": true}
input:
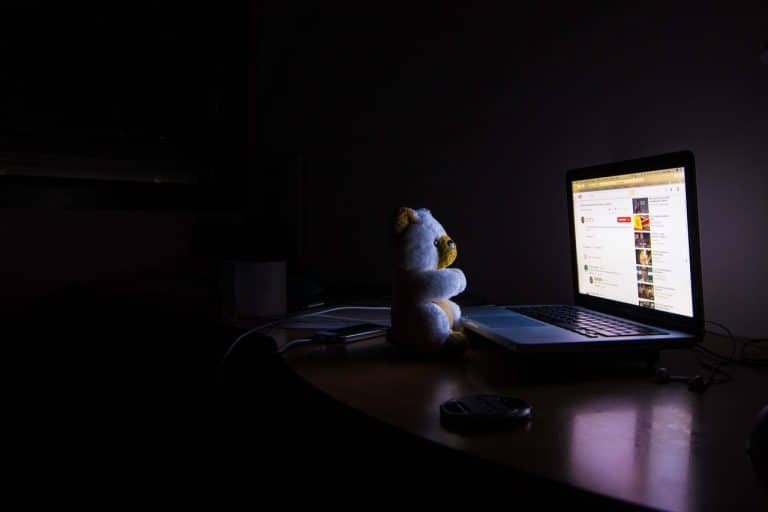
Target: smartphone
{"points": [[349, 334]]}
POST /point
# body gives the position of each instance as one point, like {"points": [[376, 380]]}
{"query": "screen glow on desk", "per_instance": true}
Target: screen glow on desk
{"points": [[635, 451]]}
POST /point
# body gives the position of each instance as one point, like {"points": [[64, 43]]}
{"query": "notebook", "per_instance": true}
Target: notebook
{"points": [[635, 263]]}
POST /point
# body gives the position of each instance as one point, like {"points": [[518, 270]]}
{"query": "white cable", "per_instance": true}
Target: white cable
{"points": [[302, 341], [341, 308], [302, 315]]}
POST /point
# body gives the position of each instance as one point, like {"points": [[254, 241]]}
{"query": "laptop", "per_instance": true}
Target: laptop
{"points": [[635, 263]]}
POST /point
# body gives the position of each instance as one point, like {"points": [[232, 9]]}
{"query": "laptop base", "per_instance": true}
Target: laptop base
{"points": [[530, 367]]}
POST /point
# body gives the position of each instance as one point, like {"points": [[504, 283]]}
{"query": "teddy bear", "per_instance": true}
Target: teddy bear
{"points": [[423, 317]]}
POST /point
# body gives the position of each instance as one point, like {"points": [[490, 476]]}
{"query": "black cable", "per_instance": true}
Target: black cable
{"points": [[714, 354], [716, 370], [753, 361], [741, 358], [722, 360], [730, 335]]}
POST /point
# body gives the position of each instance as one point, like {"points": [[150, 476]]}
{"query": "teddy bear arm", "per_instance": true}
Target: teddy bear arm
{"points": [[437, 285]]}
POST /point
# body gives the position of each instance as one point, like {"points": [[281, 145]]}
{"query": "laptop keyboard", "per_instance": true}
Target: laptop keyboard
{"points": [[583, 322]]}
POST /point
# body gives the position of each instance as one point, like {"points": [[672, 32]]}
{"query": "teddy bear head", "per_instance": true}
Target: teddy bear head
{"points": [[421, 242]]}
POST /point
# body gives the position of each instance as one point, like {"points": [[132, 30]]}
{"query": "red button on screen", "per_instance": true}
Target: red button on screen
{"points": [[623, 219]]}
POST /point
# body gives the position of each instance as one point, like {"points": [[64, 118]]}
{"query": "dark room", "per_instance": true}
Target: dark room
{"points": [[456, 251]]}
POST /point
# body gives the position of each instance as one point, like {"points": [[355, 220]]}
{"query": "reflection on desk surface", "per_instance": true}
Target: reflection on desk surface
{"points": [[615, 434], [634, 450]]}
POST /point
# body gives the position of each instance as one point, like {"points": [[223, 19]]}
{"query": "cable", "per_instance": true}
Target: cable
{"points": [[738, 356], [245, 335], [714, 354], [753, 361], [292, 317], [293, 343], [716, 368], [732, 338], [742, 357]]}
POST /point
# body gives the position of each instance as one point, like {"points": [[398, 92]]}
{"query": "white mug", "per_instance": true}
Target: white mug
{"points": [[253, 289]]}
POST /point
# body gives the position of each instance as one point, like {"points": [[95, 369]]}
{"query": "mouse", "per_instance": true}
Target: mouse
{"points": [[758, 439]]}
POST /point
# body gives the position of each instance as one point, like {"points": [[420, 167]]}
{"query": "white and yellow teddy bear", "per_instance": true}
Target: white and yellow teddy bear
{"points": [[423, 318]]}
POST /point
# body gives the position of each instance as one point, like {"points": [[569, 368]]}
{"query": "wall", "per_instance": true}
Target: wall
{"points": [[124, 92], [96, 104], [476, 114]]}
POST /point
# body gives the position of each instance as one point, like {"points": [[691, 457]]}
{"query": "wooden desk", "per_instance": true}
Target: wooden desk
{"points": [[614, 433]]}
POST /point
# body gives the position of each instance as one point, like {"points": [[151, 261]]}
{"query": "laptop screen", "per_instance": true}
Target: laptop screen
{"points": [[631, 238]]}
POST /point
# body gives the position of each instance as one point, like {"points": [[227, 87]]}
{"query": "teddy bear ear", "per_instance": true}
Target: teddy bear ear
{"points": [[404, 218]]}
